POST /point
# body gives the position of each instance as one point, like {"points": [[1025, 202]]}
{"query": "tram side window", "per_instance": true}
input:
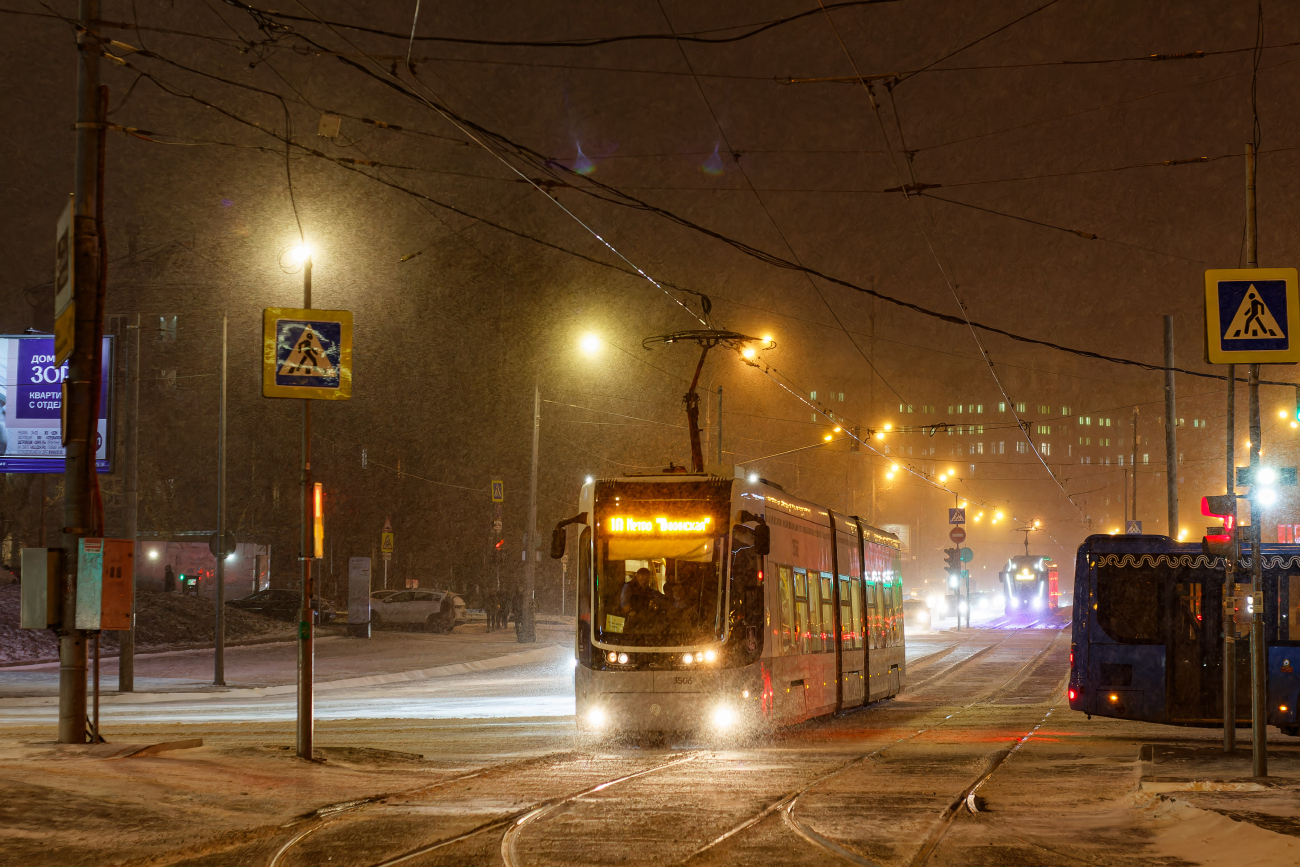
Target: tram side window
{"points": [[815, 628], [898, 609], [871, 614], [789, 627], [859, 628], [846, 613], [828, 612], [801, 610], [1293, 609], [1130, 606]]}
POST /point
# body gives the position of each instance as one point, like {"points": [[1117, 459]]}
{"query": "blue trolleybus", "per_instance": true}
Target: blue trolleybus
{"points": [[709, 603], [1148, 632]]}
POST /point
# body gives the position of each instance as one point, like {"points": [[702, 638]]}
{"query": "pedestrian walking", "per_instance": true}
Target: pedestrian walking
{"points": [[169, 580]]}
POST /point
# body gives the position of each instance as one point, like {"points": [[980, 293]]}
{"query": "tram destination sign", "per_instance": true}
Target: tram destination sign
{"points": [[659, 524]]}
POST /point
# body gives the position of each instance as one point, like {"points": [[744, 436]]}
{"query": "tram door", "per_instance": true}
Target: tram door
{"points": [[1195, 648], [1194, 677]]}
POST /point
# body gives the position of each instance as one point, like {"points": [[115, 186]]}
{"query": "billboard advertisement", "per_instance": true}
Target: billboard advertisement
{"points": [[30, 402]]}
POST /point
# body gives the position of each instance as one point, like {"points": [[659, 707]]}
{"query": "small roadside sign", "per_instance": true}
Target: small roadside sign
{"points": [[967, 555], [956, 516], [498, 491], [1252, 316], [1133, 528], [65, 313], [386, 538], [957, 534], [306, 353]]}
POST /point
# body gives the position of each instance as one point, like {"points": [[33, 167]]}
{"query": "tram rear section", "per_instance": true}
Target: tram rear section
{"points": [[717, 605]]}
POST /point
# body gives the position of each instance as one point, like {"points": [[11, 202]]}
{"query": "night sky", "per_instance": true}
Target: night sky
{"points": [[1030, 159]]}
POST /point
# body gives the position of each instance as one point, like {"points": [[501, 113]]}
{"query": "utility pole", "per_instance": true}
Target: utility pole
{"points": [[527, 621], [1258, 674], [1134, 462], [126, 655], [1230, 579], [82, 395], [219, 627], [1171, 431], [306, 617], [717, 428]]}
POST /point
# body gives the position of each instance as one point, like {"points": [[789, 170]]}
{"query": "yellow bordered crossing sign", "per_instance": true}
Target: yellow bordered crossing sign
{"points": [[1252, 316], [307, 353]]}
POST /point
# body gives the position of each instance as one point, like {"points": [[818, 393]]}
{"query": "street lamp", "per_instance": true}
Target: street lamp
{"points": [[590, 345]]}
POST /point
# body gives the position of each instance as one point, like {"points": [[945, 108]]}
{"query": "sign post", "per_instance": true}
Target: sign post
{"points": [[306, 354], [1252, 316]]}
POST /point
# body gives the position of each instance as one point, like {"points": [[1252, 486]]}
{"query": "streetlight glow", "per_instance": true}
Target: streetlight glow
{"points": [[880, 435], [589, 344], [767, 339], [299, 253], [590, 480], [888, 426], [828, 437], [747, 352]]}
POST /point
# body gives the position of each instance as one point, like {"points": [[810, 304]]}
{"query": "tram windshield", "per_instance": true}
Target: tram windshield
{"points": [[659, 575]]}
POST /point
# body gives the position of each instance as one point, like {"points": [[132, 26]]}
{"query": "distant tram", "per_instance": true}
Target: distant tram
{"points": [[1147, 638], [1030, 586], [715, 604]]}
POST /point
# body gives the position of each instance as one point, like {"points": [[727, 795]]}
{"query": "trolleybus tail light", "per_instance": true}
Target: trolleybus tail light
{"points": [[1114, 697], [1073, 694], [1282, 708]]}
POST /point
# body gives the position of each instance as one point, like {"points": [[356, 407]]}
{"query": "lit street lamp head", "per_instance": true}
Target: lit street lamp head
{"points": [[589, 344]]}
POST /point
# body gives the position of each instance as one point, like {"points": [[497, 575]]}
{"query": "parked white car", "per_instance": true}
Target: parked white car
{"points": [[435, 610]]}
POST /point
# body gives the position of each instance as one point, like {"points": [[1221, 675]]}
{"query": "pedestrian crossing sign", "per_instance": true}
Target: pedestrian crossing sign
{"points": [[307, 353], [1252, 316]]}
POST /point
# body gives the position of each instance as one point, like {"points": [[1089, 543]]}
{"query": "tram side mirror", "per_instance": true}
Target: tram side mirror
{"points": [[762, 532], [559, 537]]}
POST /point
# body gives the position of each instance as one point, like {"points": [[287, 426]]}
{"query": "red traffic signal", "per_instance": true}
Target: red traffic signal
{"points": [[499, 544], [1223, 507]]}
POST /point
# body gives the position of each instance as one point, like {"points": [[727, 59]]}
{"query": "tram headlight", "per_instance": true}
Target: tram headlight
{"points": [[596, 718], [612, 657], [1015, 603], [622, 658], [1037, 603], [710, 655], [724, 717]]}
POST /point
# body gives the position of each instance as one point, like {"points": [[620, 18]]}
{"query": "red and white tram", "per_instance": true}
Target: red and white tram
{"points": [[709, 603]]}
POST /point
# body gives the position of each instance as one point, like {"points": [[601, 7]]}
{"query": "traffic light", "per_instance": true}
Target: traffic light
{"points": [[952, 559], [1224, 507]]}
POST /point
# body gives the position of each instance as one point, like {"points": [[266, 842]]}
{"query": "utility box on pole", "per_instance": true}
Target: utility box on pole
{"points": [[359, 597], [41, 593], [104, 569]]}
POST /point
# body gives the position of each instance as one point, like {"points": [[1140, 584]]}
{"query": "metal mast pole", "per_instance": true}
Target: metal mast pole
{"points": [[527, 626], [1134, 463], [1230, 579], [219, 627], [1258, 675], [126, 656], [306, 626], [1171, 432], [79, 460], [717, 428]]}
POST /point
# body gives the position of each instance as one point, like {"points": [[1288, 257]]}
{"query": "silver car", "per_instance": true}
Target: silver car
{"points": [[434, 610]]}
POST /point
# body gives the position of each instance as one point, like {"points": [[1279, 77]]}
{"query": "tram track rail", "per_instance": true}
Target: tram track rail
{"points": [[787, 804]]}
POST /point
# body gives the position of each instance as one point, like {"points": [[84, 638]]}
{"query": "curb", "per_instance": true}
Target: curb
{"points": [[510, 660]]}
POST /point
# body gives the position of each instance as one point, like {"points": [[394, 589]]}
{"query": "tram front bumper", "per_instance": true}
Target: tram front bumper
{"points": [[639, 702]]}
